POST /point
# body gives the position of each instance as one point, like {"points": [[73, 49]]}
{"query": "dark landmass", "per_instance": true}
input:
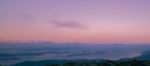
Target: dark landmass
{"points": [[51, 62], [84, 63]]}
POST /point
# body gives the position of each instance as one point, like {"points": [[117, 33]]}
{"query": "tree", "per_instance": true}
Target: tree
{"points": [[70, 64], [53, 65]]}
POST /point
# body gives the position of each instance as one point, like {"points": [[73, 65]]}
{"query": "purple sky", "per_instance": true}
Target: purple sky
{"points": [[87, 21]]}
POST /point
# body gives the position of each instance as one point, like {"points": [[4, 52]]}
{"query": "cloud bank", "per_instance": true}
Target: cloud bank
{"points": [[67, 24]]}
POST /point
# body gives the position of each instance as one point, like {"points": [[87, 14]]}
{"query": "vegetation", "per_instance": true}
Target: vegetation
{"points": [[106, 63]]}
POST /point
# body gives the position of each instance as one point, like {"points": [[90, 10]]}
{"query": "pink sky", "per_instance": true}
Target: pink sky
{"points": [[87, 21]]}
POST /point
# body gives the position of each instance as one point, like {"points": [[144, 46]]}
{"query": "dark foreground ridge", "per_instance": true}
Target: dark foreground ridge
{"points": [[85, 63]]}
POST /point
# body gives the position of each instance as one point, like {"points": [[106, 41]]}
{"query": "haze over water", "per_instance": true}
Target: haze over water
{"points": [[11, 53]]}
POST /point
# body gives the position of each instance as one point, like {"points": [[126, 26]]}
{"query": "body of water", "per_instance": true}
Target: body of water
{"points": [[14, 53]]}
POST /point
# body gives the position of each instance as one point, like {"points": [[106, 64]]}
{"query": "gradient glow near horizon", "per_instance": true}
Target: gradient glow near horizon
{"points": [[87, 21]]}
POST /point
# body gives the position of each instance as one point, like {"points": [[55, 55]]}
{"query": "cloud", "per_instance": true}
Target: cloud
{"points": [[67, 24]]}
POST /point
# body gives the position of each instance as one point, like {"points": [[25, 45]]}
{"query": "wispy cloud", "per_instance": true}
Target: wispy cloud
{"points": [[67, 24]]}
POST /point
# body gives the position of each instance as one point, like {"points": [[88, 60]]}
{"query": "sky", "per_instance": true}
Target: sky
{"points": [[85, 21]]}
